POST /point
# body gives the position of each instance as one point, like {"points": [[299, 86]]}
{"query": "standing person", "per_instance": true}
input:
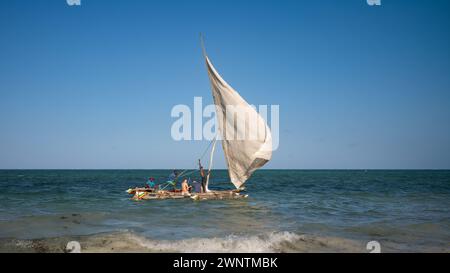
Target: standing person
{"points": [[202, 175]]}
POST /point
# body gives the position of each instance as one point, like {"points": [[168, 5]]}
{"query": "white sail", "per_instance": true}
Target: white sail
{"points": [[246, 138]]}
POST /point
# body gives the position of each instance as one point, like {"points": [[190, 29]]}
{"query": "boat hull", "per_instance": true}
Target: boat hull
{"points": [[211, 195], [218, 195]]}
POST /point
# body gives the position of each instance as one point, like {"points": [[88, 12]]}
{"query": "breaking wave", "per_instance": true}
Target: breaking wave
{"points": [[130, 242]]}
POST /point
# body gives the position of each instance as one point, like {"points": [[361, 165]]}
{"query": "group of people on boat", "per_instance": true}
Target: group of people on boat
{"points": [[197, 187], [186, 186]]}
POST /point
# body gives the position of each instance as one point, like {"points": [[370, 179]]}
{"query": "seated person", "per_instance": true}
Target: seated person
{"points": [[173, 176], [150, 183], [197, 187], [185, 187]]}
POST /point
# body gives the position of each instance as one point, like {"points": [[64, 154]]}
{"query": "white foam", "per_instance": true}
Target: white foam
{"points": [[271, 242], [125, 241]]}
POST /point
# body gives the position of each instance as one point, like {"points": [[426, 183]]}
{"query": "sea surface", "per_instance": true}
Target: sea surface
{"points": [[286, 211]]}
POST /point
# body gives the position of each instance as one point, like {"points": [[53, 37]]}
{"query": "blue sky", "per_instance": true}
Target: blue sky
{"points": [[93, 86]]}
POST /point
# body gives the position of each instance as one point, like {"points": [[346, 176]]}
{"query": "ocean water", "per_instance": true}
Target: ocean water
{"points": [[287, 211]]}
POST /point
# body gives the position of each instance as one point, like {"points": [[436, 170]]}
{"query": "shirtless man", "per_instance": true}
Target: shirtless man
{"points": [[185, 187]]}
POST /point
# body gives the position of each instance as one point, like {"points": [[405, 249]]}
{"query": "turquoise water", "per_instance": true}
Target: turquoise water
{"points": [[403, 210]]}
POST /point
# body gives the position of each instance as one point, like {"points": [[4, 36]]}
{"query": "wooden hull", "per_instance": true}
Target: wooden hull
{"points": [[218, 195], [212, 195]]}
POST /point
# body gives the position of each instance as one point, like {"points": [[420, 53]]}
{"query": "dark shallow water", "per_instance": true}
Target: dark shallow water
{"points": [[403, 210]]}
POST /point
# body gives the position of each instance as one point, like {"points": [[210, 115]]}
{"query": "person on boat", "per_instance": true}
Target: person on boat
{"points": [[173, 176], [172, 180], [150, 183], [196, 187], [202, 175], [185, 187]]}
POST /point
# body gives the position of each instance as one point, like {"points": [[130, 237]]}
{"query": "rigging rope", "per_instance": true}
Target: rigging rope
{"points": [[195, 168]]}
